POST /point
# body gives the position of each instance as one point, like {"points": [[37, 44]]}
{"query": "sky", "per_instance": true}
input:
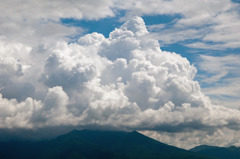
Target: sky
{"points": [[167, 68]]}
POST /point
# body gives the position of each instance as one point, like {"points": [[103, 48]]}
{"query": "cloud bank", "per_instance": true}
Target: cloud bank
{"points": [[122, 82]]}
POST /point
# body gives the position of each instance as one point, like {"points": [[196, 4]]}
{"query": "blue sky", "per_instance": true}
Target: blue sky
{"points": [[167, 68]]}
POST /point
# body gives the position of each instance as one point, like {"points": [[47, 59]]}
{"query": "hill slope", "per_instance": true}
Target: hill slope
{"points": [[88, 144]]}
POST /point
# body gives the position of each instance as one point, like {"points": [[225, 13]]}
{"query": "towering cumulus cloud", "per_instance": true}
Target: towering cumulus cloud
{"points": [[122, 82]]}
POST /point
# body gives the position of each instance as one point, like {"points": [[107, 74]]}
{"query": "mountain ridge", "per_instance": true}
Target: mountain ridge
{"points": [[96, 144], [231, 152]]}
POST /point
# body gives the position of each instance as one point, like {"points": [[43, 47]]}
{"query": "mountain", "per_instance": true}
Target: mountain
{"points": [[89, 144], [219, 152]]}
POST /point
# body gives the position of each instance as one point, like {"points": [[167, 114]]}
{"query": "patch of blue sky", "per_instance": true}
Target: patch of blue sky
{"points": [[103, 26], [236, 1], [179, 48], [160, 19]]}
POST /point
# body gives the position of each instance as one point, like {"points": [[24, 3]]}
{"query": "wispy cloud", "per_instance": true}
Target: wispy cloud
{"points": [[221, 66], [212, 25], [222, 74]]}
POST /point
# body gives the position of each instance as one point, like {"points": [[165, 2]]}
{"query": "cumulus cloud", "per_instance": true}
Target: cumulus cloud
{"points": [[14, 64], [15, 114], [122, 82]]}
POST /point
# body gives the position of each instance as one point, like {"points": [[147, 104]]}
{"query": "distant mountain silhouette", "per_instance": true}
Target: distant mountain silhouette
{"points": [[89, 144], [219, 152]]}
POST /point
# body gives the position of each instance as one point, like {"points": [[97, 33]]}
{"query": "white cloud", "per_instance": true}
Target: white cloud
{"points": [[14, 114], [220, 66], [168, 35], [53, 110], [226, 28], [218, 21], [28, 10], [34, 22], [96, 82], [14, 62], [202, 45]]}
